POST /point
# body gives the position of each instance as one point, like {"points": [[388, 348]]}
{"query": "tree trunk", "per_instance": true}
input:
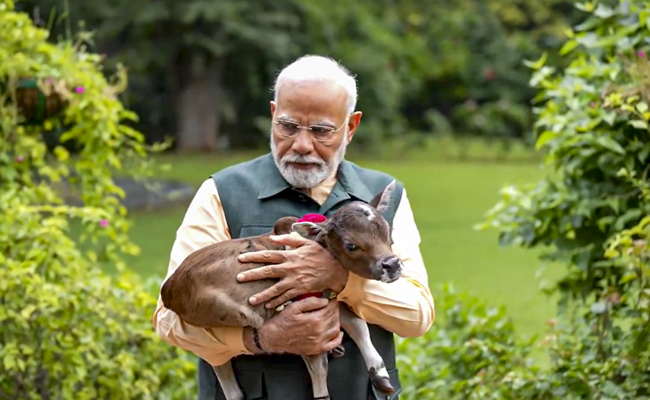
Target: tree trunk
{"points": [[198, 110]]}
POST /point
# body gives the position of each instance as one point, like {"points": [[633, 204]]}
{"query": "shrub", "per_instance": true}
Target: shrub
{"points": [[592, 212], [597, 351], [601, 350], [68, 329], [467, 357], [593, 128]]}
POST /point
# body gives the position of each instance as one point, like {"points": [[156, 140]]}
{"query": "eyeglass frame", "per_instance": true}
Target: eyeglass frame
{"points": [[299, 129]]}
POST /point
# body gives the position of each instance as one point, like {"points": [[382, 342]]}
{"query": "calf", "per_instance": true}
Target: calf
{"points": [[204, 291]]}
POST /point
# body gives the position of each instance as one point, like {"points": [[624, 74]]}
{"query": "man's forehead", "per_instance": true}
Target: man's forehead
{"points": [[313, 119], [318, 98]]}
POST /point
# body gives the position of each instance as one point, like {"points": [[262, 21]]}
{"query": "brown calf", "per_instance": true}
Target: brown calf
{"points": [[204, 291]]}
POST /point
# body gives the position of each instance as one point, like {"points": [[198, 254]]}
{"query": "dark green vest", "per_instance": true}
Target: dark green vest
{"points": [[254, 196]]}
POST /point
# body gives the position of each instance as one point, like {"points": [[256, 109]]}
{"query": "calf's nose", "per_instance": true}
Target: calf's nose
{"points": [[391, 265]]}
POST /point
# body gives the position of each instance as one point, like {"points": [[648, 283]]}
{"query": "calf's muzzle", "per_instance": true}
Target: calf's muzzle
{"points": [[388, 269]]}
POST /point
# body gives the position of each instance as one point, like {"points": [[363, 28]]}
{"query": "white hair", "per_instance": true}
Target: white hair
{"points": [[311, 67]]}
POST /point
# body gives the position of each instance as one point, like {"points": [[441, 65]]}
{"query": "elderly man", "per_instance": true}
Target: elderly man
{"points": [[314, 120]]}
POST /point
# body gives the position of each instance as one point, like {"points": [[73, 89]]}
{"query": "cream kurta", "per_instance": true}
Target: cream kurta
{"points": [[404, 307]]}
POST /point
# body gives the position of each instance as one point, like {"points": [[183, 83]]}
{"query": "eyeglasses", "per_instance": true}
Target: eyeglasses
{"points": [[320, 133]]}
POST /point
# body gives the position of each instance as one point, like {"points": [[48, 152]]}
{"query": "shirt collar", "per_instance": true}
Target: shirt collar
{"points": [[347, 177]]}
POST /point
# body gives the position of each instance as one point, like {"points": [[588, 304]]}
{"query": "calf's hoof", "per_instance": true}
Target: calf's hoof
{"points": [[338, 352], [382, 384]]}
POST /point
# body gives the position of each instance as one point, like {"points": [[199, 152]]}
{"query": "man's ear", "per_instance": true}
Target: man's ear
{"points": [[353, 124], [309, 230], [382, 200]]}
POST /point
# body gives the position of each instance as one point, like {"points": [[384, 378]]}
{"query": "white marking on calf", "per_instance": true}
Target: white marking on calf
{"points": [[368, 211], [357, 329]]}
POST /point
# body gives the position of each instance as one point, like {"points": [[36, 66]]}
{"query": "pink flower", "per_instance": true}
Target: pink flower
{"points": [[79, 89], [641, 54], [592, 104], [104, 223], [19, 159], [316, 218]]}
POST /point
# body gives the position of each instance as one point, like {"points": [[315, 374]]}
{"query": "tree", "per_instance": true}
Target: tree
{"points": [[194, 47], [68, 329]]}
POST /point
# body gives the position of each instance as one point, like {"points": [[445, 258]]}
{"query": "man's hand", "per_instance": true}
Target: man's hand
{"points": [[307, 327], [307, 269]]}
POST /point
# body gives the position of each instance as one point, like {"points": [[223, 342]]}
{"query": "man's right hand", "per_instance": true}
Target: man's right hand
{"points": [[307, 327]]}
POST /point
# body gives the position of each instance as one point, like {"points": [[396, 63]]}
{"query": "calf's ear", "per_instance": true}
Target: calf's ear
{"points": [[283, 225], [309, 230], [382, 200]]}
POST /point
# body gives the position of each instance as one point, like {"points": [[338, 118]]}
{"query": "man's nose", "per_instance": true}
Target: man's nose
{"points": [[303, 144]]}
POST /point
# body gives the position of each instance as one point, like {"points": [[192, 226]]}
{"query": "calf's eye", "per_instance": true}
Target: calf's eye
{"points": [[350, 246]]}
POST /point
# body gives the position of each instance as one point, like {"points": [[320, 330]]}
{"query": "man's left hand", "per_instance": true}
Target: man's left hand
{"points": [[309, 268]]}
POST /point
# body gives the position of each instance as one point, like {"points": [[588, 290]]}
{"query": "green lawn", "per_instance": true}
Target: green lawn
{"points": [[448, 198]]}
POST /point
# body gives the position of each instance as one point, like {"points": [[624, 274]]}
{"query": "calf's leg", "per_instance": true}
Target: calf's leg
{"points": [[228, 382], [358, 331], [317, 366]]}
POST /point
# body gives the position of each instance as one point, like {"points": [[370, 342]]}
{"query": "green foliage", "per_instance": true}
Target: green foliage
{"points": [[598, 351], [592, 127], [68, 330], [469, 356], [592, 212], [467, 66]]}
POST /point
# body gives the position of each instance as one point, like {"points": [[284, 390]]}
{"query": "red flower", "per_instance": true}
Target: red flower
{"points": [[316, 218]]}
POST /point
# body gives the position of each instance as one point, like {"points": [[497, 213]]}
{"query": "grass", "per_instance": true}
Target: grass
{"points": [[448, 197]]}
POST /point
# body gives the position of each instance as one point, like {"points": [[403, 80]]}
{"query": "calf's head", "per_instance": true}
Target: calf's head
{"points": [[359, 237]]}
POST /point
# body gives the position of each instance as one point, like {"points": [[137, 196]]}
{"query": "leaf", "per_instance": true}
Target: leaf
{"points": [[27, 311], [643, 154], [639, 124], [586, 6], [628, 277], [544, 138], [598, 307], [9, 361], [604, 222], [642, 107], [537, 64], [61, 153], [610, 144], [628, 216], [568, 47], [610, 117]]}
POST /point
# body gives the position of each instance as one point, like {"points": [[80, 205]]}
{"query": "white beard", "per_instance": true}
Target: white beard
{"points": [[302, 179]]}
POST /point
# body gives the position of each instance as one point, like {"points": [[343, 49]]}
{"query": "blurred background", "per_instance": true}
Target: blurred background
{"points": [[443, 86], [530, 117], [201, 71]]}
